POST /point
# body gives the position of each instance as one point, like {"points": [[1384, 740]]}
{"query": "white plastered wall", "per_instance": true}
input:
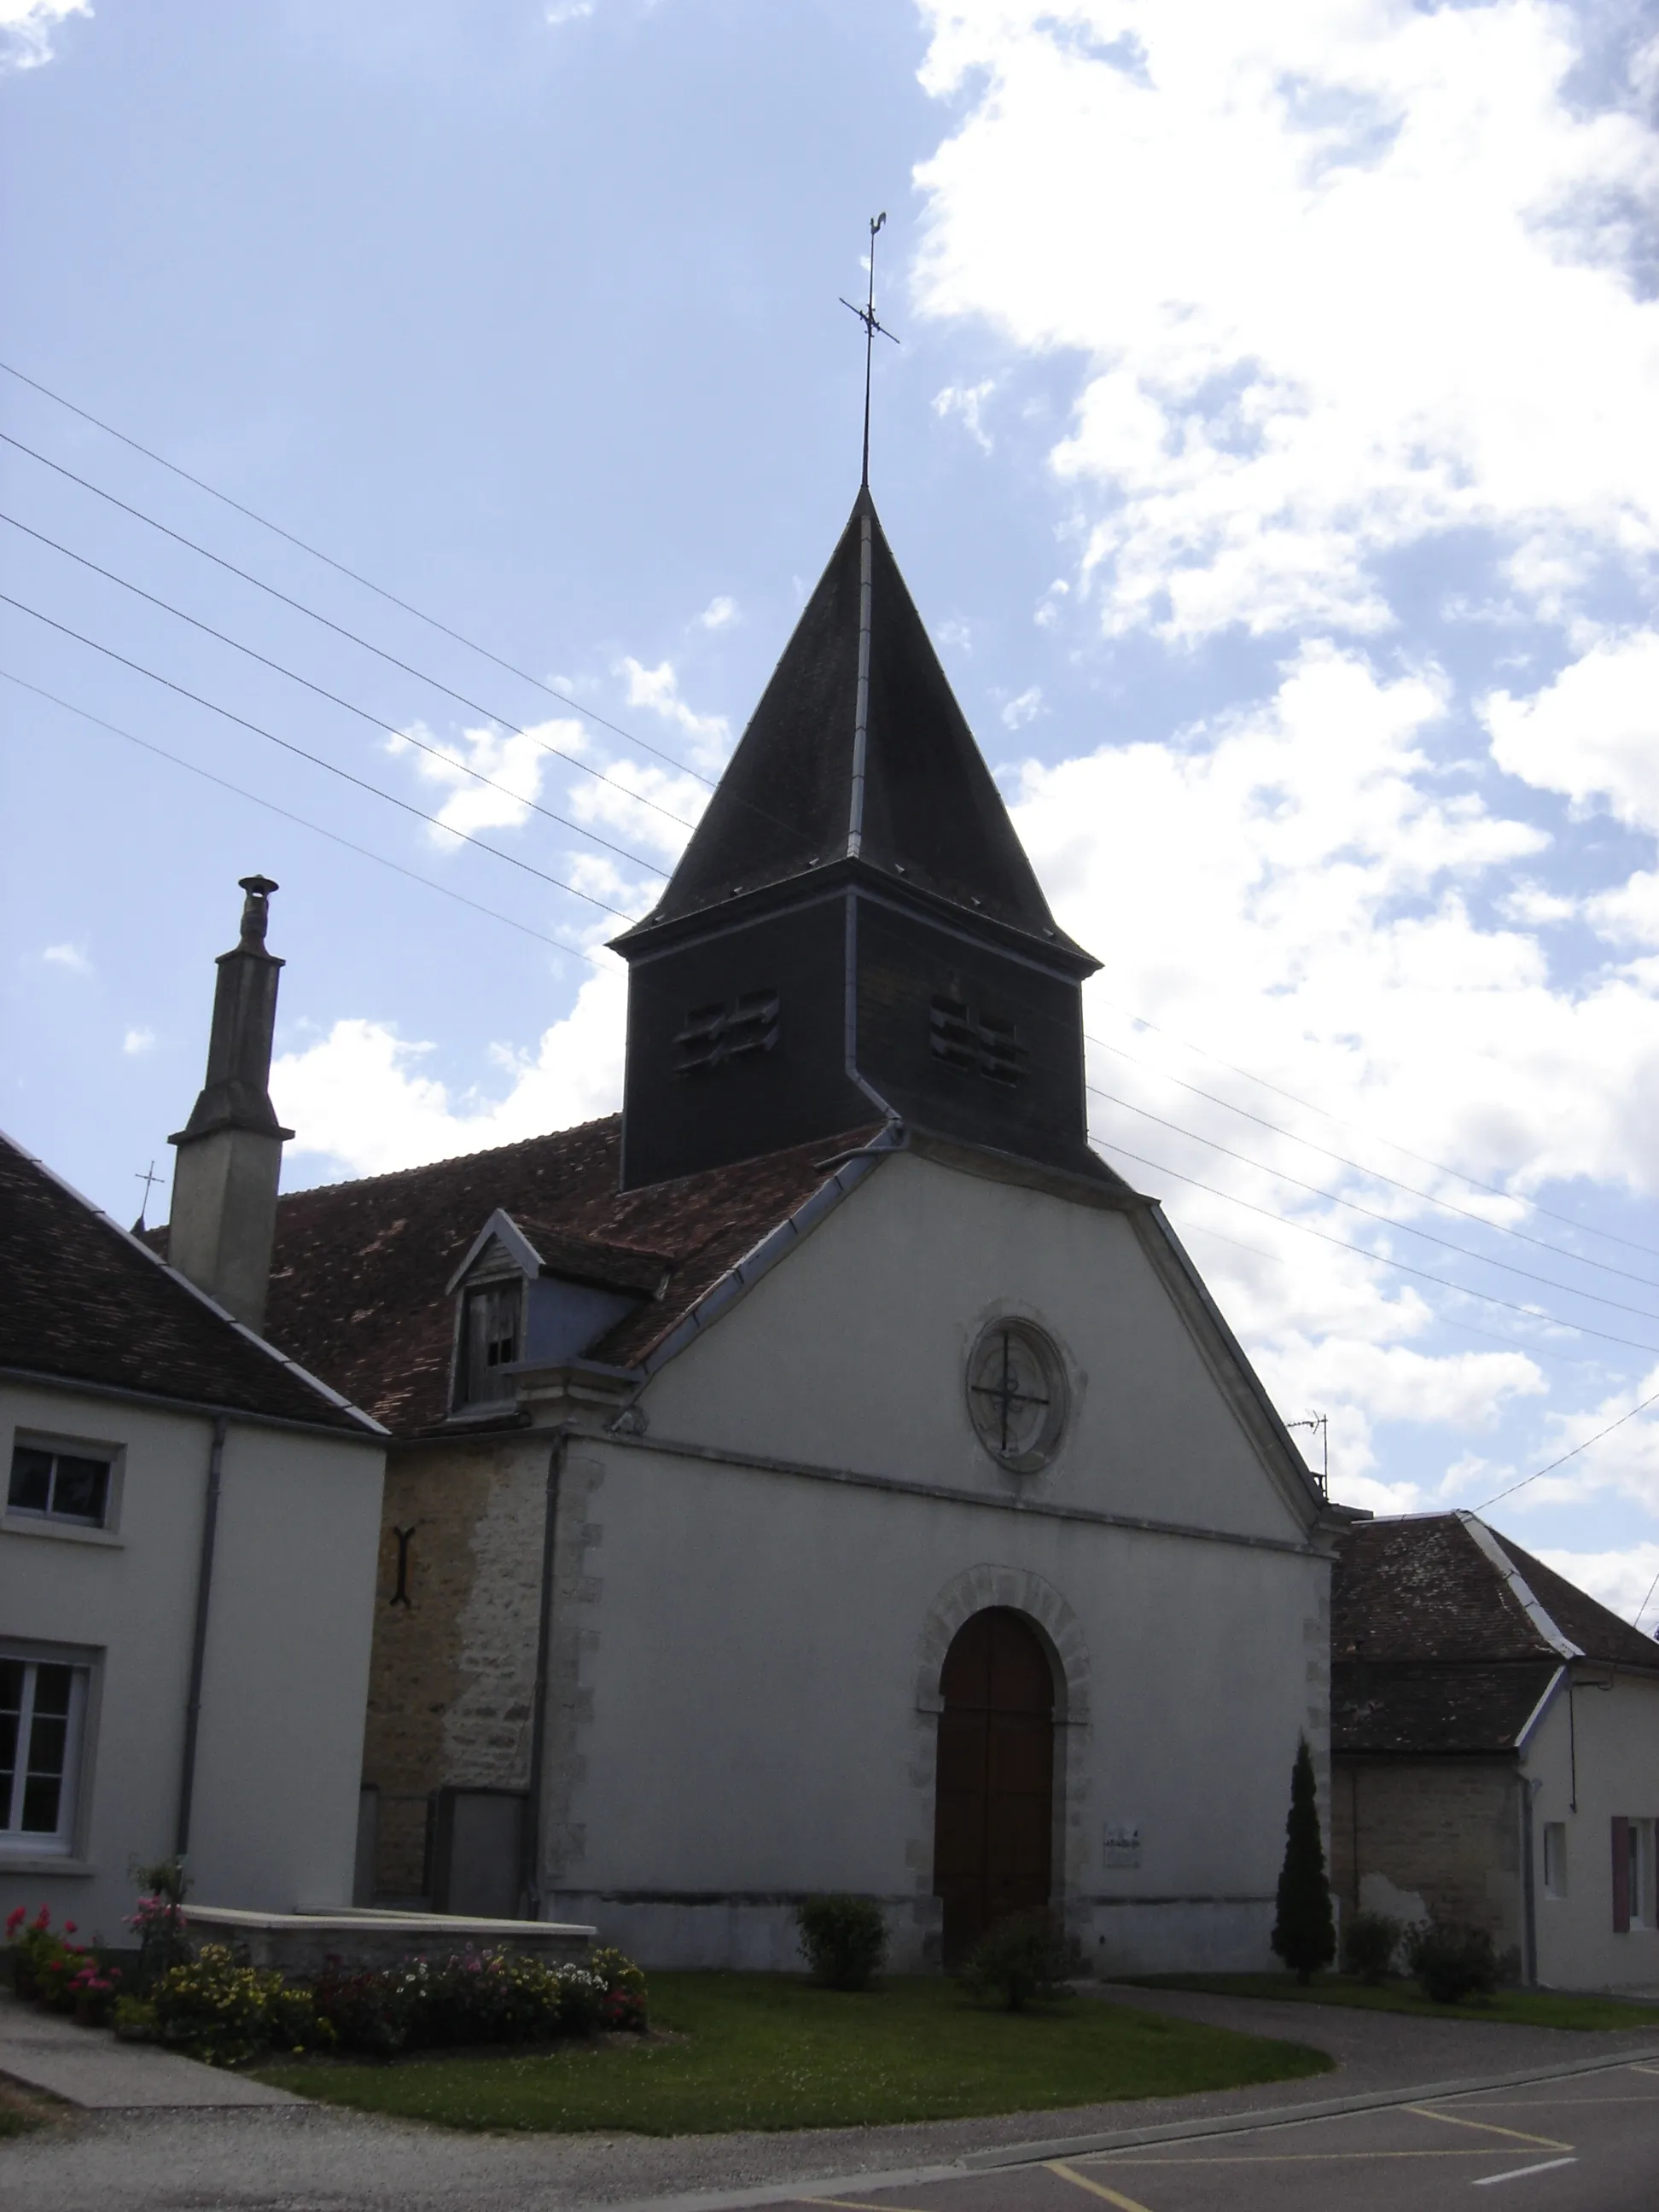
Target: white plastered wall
{"points": [[1617, 1763], [287, 1662], [755, 1645]]}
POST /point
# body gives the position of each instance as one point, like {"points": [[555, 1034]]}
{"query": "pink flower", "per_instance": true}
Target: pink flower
{"points": [[15, 1920], [43, 1917], [70, 1928]]}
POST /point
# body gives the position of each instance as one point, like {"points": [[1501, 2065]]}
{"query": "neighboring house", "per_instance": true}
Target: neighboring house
{"points": [[826, 1475], [1495, 1751], [186, 1575]]}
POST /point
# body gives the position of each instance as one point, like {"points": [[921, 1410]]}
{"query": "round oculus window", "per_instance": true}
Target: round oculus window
{"points": [[1017, 1395]]}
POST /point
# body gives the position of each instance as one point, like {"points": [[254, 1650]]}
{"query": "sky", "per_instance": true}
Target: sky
{"points": [[1269, 444]]}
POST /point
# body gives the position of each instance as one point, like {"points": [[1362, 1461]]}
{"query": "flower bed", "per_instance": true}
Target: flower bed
{"points": [[214, 2006]]}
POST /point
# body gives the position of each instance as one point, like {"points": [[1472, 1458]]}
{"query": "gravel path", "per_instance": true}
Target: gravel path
{"points": [[312, 2158]]}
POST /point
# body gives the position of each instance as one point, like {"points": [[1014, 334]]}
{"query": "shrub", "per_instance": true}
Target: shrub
{"points": [[217, 2010], [1452, 1962], [1305, 1931], [1369, 1944], [158, 1919], [371, 2011], [1021, 1959], [625, 2002], [134, 2020], [844, 1938], [44, 1961]]}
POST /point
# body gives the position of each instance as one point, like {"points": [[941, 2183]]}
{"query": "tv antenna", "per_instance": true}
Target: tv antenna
{"points": [[866, 315], [1321, 1422]]}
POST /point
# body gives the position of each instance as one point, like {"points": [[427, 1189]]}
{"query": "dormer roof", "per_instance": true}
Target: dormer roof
{"points": [[859, 752]]}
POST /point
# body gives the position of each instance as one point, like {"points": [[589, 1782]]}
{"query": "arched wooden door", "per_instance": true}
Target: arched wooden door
{"points": [[993, 1811]]}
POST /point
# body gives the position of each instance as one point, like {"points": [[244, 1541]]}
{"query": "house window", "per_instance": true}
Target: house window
{"points": [[49, 1485], [1555, 1858], [1636, 1833], [490, 1341], [42, 1710]]}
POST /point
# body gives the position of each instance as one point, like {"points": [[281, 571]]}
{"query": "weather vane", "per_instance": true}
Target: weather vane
{"points": [[866, 315]]}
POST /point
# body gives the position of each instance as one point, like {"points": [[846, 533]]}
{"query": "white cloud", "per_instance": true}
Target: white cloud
{"points": [[658, 689], [1592, 733], [558, 13], [1621, 1580], [1343, 278], [27, 28], [72, 956], [720, 614], [514, 764], [967, 402], [138, 1040], [1024, 708], [360, 1097]]}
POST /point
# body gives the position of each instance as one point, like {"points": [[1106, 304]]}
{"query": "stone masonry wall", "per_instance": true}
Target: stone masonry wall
{"points": [[1446, 1831], [451, 1678]]}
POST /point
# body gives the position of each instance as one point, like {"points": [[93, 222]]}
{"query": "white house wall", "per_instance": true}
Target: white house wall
{"points": [[1617, 1761], [286, 1668]]}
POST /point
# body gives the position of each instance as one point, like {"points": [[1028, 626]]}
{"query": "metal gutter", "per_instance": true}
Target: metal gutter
{"points": [[861, 696], [1538, 1710], [775, 1245], [123, 1394], [198, 1636]]}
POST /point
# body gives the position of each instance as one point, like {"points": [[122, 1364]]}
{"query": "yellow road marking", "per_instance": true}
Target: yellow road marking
{"points": [[1094, 2188], [1489, 2127]]}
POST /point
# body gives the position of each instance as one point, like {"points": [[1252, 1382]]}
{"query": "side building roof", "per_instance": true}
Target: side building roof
{"points": [[361, 1275], [84, 1302], [1445, 1638]]}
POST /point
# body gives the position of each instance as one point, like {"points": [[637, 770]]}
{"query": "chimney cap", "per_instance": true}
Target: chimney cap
{"points": [[255, 909]]}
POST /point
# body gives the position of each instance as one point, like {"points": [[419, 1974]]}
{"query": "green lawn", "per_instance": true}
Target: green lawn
{"points": [[1522, 2007], [768, 2050]]}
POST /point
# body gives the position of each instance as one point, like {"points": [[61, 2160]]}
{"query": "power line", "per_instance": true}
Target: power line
{"points": [[328, 561], [316, 827], [322, 691], [1376, 1175], [339, 629], [1441, 1167], [316, 760], [1335, 1197], [1377, 1259], [1573, 1453]]}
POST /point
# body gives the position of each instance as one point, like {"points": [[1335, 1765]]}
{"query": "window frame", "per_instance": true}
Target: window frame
{"points": [[28, 1520], [60, 1848], [463, 1399]]}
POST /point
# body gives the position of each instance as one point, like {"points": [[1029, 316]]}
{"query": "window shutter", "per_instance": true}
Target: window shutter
{"points": [[1620, 1874]]}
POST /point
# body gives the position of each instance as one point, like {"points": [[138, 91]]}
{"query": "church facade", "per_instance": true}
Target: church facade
{"points": [[826, 1475]]}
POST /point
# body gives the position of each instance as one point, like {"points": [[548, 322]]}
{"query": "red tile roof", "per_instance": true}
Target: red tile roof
{"points": [[358, 1282], [82, 1301]]}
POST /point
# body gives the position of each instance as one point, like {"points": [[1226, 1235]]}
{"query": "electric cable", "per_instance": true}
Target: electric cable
{"points": [[1335, 1197], [328, 560], [316, 760], [322, 691], [339, 629], [1539, 1475], [1376, 1175]]}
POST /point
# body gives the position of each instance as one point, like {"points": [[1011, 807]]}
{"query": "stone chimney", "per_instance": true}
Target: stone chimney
{"points": [[230, 1150]]}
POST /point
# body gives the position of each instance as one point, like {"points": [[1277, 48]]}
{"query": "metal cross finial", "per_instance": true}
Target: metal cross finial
{"points": [[866, 315], [146, 1178]]}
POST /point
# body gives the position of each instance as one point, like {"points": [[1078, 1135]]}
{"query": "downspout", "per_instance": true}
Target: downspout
{"points": [[1529, 1790], [198, 1639], [533, 1824]]}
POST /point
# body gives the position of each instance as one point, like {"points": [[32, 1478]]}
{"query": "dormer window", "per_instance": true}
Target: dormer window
{"points": [[491, 1326]]}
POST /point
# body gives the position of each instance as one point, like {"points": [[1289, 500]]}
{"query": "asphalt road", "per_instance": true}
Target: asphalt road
{"points": [[1587, 2143]]}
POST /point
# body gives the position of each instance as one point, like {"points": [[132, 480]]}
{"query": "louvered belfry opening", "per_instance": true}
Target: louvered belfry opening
{"points": [[853, 930], [993, 1817]]}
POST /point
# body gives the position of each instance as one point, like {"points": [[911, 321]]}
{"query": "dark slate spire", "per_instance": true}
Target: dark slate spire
{"points": [[853, 930], [859, 751]]}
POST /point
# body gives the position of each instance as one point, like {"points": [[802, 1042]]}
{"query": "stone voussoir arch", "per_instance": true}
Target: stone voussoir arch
{"points": [[1024, 1592]]}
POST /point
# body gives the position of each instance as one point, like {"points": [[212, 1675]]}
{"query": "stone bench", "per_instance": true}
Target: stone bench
{"points": [[301, 1943]]}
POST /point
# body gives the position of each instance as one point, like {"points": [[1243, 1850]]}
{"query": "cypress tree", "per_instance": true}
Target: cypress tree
{"points": [[1304, 1933]]}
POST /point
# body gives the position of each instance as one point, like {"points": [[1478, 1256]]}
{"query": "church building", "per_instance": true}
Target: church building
{"points": [[825, 1474]]}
